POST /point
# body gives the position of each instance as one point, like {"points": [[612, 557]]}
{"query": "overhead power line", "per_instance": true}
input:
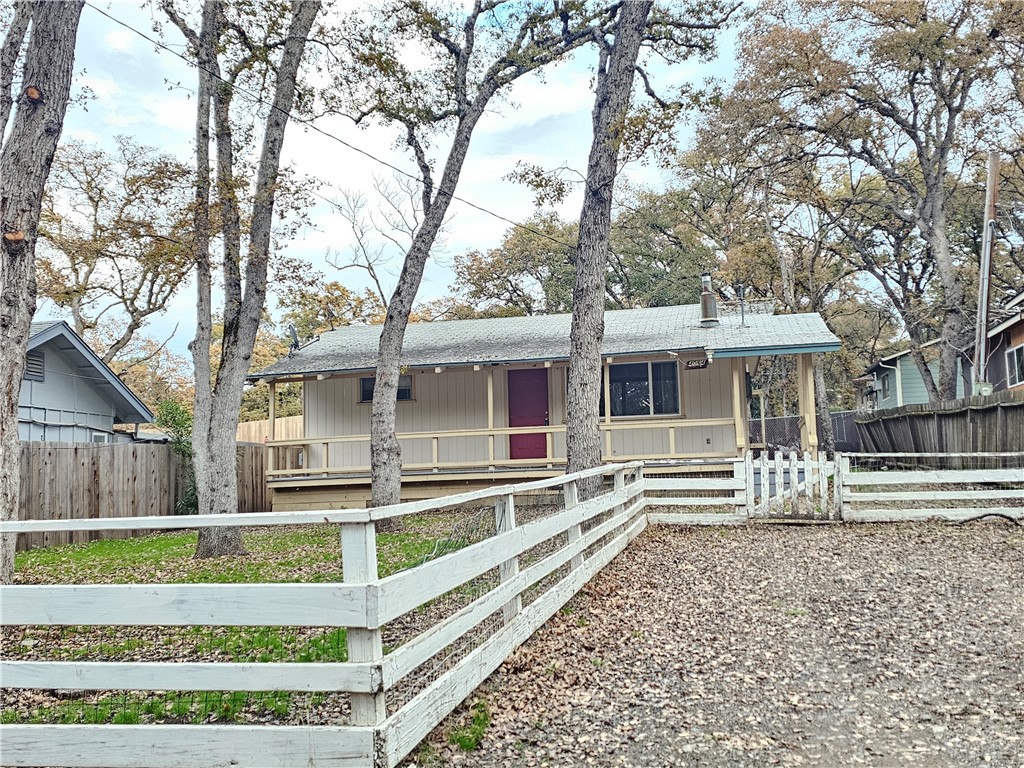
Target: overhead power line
{"points": [[309, 123]]}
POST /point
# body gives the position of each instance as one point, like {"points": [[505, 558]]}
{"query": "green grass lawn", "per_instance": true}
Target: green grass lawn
{"points": [[281, 554]]}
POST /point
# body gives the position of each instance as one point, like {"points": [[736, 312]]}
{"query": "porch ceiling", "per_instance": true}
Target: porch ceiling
{"points": [[511, 340]]}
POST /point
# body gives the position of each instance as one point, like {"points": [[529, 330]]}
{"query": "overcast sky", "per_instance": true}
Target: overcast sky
{"points": [[145, 93]]}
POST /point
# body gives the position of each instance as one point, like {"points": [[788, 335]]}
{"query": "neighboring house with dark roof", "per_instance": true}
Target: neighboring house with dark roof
{"points": [[896, 380], [483, 401], [1006, 347], [69, 395]]}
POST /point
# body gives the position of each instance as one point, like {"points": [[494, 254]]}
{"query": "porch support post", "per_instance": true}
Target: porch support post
{"points": [[739, 402], [271, 433], [607, 410], [490, 417], [808, 413]]}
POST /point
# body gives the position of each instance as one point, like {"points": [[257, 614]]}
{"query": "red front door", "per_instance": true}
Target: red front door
{"points": [[528, 407]]}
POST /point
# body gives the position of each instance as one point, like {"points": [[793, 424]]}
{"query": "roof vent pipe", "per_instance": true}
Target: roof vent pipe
{"points": [[708, 303]]}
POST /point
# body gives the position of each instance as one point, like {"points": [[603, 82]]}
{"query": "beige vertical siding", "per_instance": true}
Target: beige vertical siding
{"points": [[707, 394], [456, 399]]}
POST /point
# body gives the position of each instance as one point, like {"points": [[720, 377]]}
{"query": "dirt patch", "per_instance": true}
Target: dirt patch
{"points": [[854, 645]]}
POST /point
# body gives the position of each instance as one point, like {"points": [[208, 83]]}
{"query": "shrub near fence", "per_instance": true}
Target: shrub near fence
{"points": [[77, 481]]}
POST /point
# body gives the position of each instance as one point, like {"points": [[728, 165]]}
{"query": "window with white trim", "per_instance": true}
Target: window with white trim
{"points": [[1015, 365], [885, 386], [642, 389], [366, 385]]}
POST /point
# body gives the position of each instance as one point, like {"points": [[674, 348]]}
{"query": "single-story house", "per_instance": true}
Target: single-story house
{"points": [[483, 401], [69, 395], [896, 380], [1006, 347]]}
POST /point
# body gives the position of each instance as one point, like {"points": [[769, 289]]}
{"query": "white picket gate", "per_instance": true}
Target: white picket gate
{"points": [[775, 487], [794, 486]]}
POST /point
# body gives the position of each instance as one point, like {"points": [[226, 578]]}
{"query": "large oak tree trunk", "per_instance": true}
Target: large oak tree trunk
{"points": [[957, 327], [614, 89], [218, 399], [385, 452], [25, 161]]}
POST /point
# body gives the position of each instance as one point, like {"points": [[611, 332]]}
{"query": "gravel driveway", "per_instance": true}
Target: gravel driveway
{"points": [[773, 645]]}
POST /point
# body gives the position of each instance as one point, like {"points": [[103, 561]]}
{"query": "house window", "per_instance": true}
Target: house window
{"points": [[642, 389], [34, 368], [100, 437], [885, 386], [1015, 366], [366, 388]]}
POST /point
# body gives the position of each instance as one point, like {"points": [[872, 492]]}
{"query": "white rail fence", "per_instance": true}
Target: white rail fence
{"points": [[574, 542], [899, 487], [512, 580]]}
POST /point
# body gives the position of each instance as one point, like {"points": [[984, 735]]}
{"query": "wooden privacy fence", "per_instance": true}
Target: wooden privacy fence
{"points": [[975, 424], [78, 481], [529, 570], [285, 428]]}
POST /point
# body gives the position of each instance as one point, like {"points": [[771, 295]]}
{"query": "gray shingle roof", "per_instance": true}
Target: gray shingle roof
{"points": [[38, 326], [546, 337]]}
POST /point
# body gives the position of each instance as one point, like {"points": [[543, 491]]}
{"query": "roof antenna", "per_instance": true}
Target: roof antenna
{"points": [[740, 289], [331, 317]]}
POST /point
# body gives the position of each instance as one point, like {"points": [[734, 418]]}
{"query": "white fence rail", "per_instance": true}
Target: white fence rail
{"points": [[529, 569]]}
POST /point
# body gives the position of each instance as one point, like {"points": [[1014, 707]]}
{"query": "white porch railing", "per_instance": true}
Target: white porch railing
{"points": [[310, 456]]}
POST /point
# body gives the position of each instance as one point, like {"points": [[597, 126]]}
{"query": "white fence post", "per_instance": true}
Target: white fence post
{"points": [[505, 520], [359, 565], [779, 479], [572, 497], [809, 480], [766, 483], [618, 483], [748, 482], [794, 480], [823, 481], [837, 486]]}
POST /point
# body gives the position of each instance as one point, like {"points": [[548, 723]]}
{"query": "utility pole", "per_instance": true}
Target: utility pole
{"points": [[980, 377]]}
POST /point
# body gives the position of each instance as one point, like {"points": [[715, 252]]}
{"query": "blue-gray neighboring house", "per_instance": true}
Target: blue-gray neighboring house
{"points": [[69, 395], [895, 380]]}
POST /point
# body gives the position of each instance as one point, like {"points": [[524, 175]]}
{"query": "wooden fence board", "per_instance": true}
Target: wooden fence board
{"points": [[268, 605], [187, 746], [188, 676]]}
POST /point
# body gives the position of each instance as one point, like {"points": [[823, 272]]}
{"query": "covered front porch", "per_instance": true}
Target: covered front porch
{"points": [[467, 427]]}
